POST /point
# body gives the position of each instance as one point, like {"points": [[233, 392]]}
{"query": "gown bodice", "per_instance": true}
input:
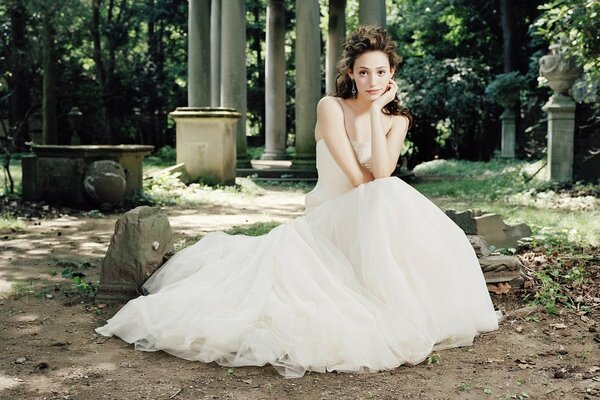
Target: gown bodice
{"points": [[332, 181]]}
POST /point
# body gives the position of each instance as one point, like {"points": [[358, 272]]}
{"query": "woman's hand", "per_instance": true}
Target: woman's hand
{"points": [[386, 97]]}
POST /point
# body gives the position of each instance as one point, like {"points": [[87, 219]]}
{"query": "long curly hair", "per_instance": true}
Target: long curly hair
{"points": [[368, 38]]}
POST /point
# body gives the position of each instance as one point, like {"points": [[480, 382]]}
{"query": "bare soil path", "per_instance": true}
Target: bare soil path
{"points": [[49, 349]]}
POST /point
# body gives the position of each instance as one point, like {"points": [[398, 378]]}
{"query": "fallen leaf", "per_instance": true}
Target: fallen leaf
{"points": [[499, 288]]}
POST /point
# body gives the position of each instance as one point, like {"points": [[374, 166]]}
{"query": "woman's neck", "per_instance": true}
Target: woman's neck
{"points": [[359, 105]]}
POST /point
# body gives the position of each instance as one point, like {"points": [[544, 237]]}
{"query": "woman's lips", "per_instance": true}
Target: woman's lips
{"points": [[373, 91]]}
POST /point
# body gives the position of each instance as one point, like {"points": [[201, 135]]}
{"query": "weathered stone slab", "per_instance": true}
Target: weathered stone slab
{"points": [[490, 226], [500, 268], [479, 245], [497, 233], [42, 182], [141, 241]]}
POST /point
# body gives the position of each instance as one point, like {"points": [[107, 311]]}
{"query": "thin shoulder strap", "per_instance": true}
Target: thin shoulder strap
{"points": [[339, 100]]}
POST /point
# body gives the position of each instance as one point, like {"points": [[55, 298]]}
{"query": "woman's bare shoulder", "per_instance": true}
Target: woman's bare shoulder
{"points": [[401, 120], [329, 103]]}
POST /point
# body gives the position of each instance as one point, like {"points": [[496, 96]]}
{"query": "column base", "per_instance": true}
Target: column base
{"points": [[275, 155]]}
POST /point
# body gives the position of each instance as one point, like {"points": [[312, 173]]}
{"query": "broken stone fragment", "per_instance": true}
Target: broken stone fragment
{"points": [[137, 248], [490, 226]]}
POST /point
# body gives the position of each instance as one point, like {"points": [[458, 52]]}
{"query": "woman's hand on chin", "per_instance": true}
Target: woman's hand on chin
{"points": [[386, 97]]}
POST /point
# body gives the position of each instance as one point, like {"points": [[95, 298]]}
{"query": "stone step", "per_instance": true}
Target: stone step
{"points": [[278, 173]]}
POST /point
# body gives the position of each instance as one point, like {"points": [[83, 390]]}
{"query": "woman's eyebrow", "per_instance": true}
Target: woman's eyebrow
{"points": [[381, 67]]}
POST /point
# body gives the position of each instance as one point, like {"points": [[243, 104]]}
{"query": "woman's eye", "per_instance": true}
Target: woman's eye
{"points": [[381, 72], [362, 73]]}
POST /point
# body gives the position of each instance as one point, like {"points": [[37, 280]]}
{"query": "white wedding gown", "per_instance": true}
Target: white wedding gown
{"points": [[370, 278]]}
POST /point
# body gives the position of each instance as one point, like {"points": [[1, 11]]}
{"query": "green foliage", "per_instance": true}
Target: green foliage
{"points": [[255, 153], [574, 23], [504, 89], [166, 154], [73, 270]]}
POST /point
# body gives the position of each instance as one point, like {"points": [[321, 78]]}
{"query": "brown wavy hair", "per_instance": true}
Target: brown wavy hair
{"points": [[368, 38]]}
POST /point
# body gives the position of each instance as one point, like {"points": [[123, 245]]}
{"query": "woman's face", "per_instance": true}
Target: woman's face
{"points": [[372, 74]]}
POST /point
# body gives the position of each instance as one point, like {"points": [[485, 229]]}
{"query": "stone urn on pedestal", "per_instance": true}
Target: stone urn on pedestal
{"points": [[504, 91], [561, 72]]}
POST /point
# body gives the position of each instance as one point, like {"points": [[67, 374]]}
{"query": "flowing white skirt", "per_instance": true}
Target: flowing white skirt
{"points": [[367, 281]]}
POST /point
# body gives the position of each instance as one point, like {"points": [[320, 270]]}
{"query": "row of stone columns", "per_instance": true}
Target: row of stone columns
{"points": [[217, 67]]}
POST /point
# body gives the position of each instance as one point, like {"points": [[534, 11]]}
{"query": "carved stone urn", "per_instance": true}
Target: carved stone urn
{"points": [[560, 71]]}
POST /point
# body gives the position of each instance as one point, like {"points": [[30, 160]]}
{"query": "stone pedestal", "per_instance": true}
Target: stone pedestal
{"points": [[141, 240], [206, 143], [561, 72], [508, 133], [561, 128], [56, 173]]}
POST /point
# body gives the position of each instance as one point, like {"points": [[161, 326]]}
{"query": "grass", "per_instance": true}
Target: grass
{"points": [[15, 173], [503, 187], [11, 224]]}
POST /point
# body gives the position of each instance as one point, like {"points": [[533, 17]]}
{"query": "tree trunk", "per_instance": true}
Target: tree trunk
{"points": [[257, 40], [18, 81], [49, 127], [97, 56], [508, 33]]}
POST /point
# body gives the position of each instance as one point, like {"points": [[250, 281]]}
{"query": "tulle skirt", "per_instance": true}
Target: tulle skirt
{"points": [[372, 279]]}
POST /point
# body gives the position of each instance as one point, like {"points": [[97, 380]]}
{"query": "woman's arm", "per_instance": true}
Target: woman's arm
{"points": [[386, 146], [330, 127]]}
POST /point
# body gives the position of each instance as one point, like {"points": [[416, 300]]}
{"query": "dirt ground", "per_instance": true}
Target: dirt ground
{"points": [[49, 349]]}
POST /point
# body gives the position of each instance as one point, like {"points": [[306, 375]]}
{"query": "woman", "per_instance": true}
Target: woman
{"points": [[372, 277]]}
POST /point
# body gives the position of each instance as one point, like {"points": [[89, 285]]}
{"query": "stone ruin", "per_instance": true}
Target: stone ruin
{"points": [[485, 230], [141, 243]]}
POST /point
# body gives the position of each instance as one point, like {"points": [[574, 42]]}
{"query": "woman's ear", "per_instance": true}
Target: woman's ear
{"points": [[393, 72], [351, 74]]}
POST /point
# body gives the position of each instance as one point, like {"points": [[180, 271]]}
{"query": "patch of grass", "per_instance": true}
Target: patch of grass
{"points": [[30, 288], [464, 387], [463, 169], [15, 173], [168, 189], [256, 229], [9, 223]]}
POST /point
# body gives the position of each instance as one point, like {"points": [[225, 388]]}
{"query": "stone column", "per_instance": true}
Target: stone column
{"points": [[561, 73], [372, 12], [508, 133], [335, 36], [215, 53], [198, 53], [308, 79], [275, 141], [233, 69], [561, 128]]}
